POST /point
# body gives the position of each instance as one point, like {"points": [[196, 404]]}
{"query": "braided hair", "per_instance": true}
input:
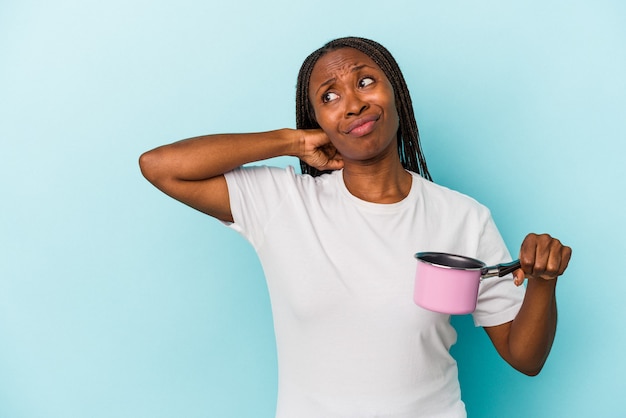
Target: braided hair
{"points": [[409, 148]]}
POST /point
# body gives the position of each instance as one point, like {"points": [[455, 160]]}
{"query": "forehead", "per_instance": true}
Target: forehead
{"points": [[338, 63]]}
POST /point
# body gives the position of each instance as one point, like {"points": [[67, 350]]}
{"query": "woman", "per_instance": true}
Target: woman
{"points": [[337, 244]]}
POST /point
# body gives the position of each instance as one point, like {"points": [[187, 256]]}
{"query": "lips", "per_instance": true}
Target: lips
{"points": [[362, 126]]}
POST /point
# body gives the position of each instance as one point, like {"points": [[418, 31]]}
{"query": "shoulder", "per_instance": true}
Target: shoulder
{"points": [[281, 178], [261, 170], [259, 174]]}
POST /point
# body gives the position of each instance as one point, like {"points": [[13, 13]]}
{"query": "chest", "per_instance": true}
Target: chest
{"points": [[344, 266]]}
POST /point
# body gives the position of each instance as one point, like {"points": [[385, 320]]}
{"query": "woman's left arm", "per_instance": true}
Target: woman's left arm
{"points": [[525, 342]]}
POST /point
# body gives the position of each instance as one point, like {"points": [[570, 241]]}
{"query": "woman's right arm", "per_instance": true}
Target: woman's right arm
{"points": [[192, 170]]}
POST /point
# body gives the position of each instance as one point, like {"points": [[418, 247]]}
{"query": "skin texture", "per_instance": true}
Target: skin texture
{"points": [[354, 105]]}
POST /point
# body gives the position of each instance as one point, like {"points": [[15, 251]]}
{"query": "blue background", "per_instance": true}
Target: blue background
{"points": [[116, 301]]}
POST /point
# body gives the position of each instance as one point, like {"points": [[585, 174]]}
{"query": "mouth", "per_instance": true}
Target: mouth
{"points": [[362, 126]]}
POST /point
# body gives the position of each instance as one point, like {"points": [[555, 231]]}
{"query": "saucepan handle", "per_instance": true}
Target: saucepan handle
{"points": [[500, 269]]}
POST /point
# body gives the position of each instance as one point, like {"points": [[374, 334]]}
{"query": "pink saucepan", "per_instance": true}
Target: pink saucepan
{"points": [[448, 283]]}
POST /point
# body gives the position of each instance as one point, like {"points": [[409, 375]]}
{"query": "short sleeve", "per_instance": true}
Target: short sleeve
{"points": [[499, 300], [255, 194]]}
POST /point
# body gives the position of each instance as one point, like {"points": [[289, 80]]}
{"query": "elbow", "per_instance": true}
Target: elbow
{"points": [[530, 358], [150, 164], [531, 372], [530, 368]]}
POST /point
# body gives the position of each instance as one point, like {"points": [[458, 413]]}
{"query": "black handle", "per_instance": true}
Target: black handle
{"points": [[506, 268], [500, 270]]}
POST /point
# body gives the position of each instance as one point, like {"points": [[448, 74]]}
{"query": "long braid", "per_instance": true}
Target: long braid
{"points": [[305, 118], [409, 147]]}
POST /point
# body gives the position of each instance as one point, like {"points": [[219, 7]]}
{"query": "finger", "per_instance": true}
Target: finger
{"points": [[527, 254], [545, 257], [334, 158], [555, 255], [333, 164], [518, 277], [566, 256]]}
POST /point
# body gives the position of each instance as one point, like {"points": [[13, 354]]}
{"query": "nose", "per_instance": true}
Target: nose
{"points": [[355, 105]]}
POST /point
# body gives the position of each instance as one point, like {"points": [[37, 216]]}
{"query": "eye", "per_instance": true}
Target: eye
{"points": [[365, 81], [329, 96]]}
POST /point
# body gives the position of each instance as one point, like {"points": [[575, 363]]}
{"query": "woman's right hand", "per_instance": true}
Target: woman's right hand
{"points": [[318, 151]]}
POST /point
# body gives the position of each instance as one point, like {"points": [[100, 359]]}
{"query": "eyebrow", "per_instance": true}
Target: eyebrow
{"points": [[332, 80]]}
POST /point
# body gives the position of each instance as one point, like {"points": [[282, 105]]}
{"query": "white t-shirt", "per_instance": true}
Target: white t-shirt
{"points": [[351, 342]]}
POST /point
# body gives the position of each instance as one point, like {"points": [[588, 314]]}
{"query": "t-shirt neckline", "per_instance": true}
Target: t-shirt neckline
{"points": [[378, 207]]}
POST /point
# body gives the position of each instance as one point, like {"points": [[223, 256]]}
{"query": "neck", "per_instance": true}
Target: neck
{"points": [[378, 183]]}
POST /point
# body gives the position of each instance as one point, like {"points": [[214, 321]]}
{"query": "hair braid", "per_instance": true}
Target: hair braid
{"points": [[409, 147]]}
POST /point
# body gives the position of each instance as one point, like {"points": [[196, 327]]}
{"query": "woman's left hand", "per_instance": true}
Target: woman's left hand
{"points": [[542, 257]]}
